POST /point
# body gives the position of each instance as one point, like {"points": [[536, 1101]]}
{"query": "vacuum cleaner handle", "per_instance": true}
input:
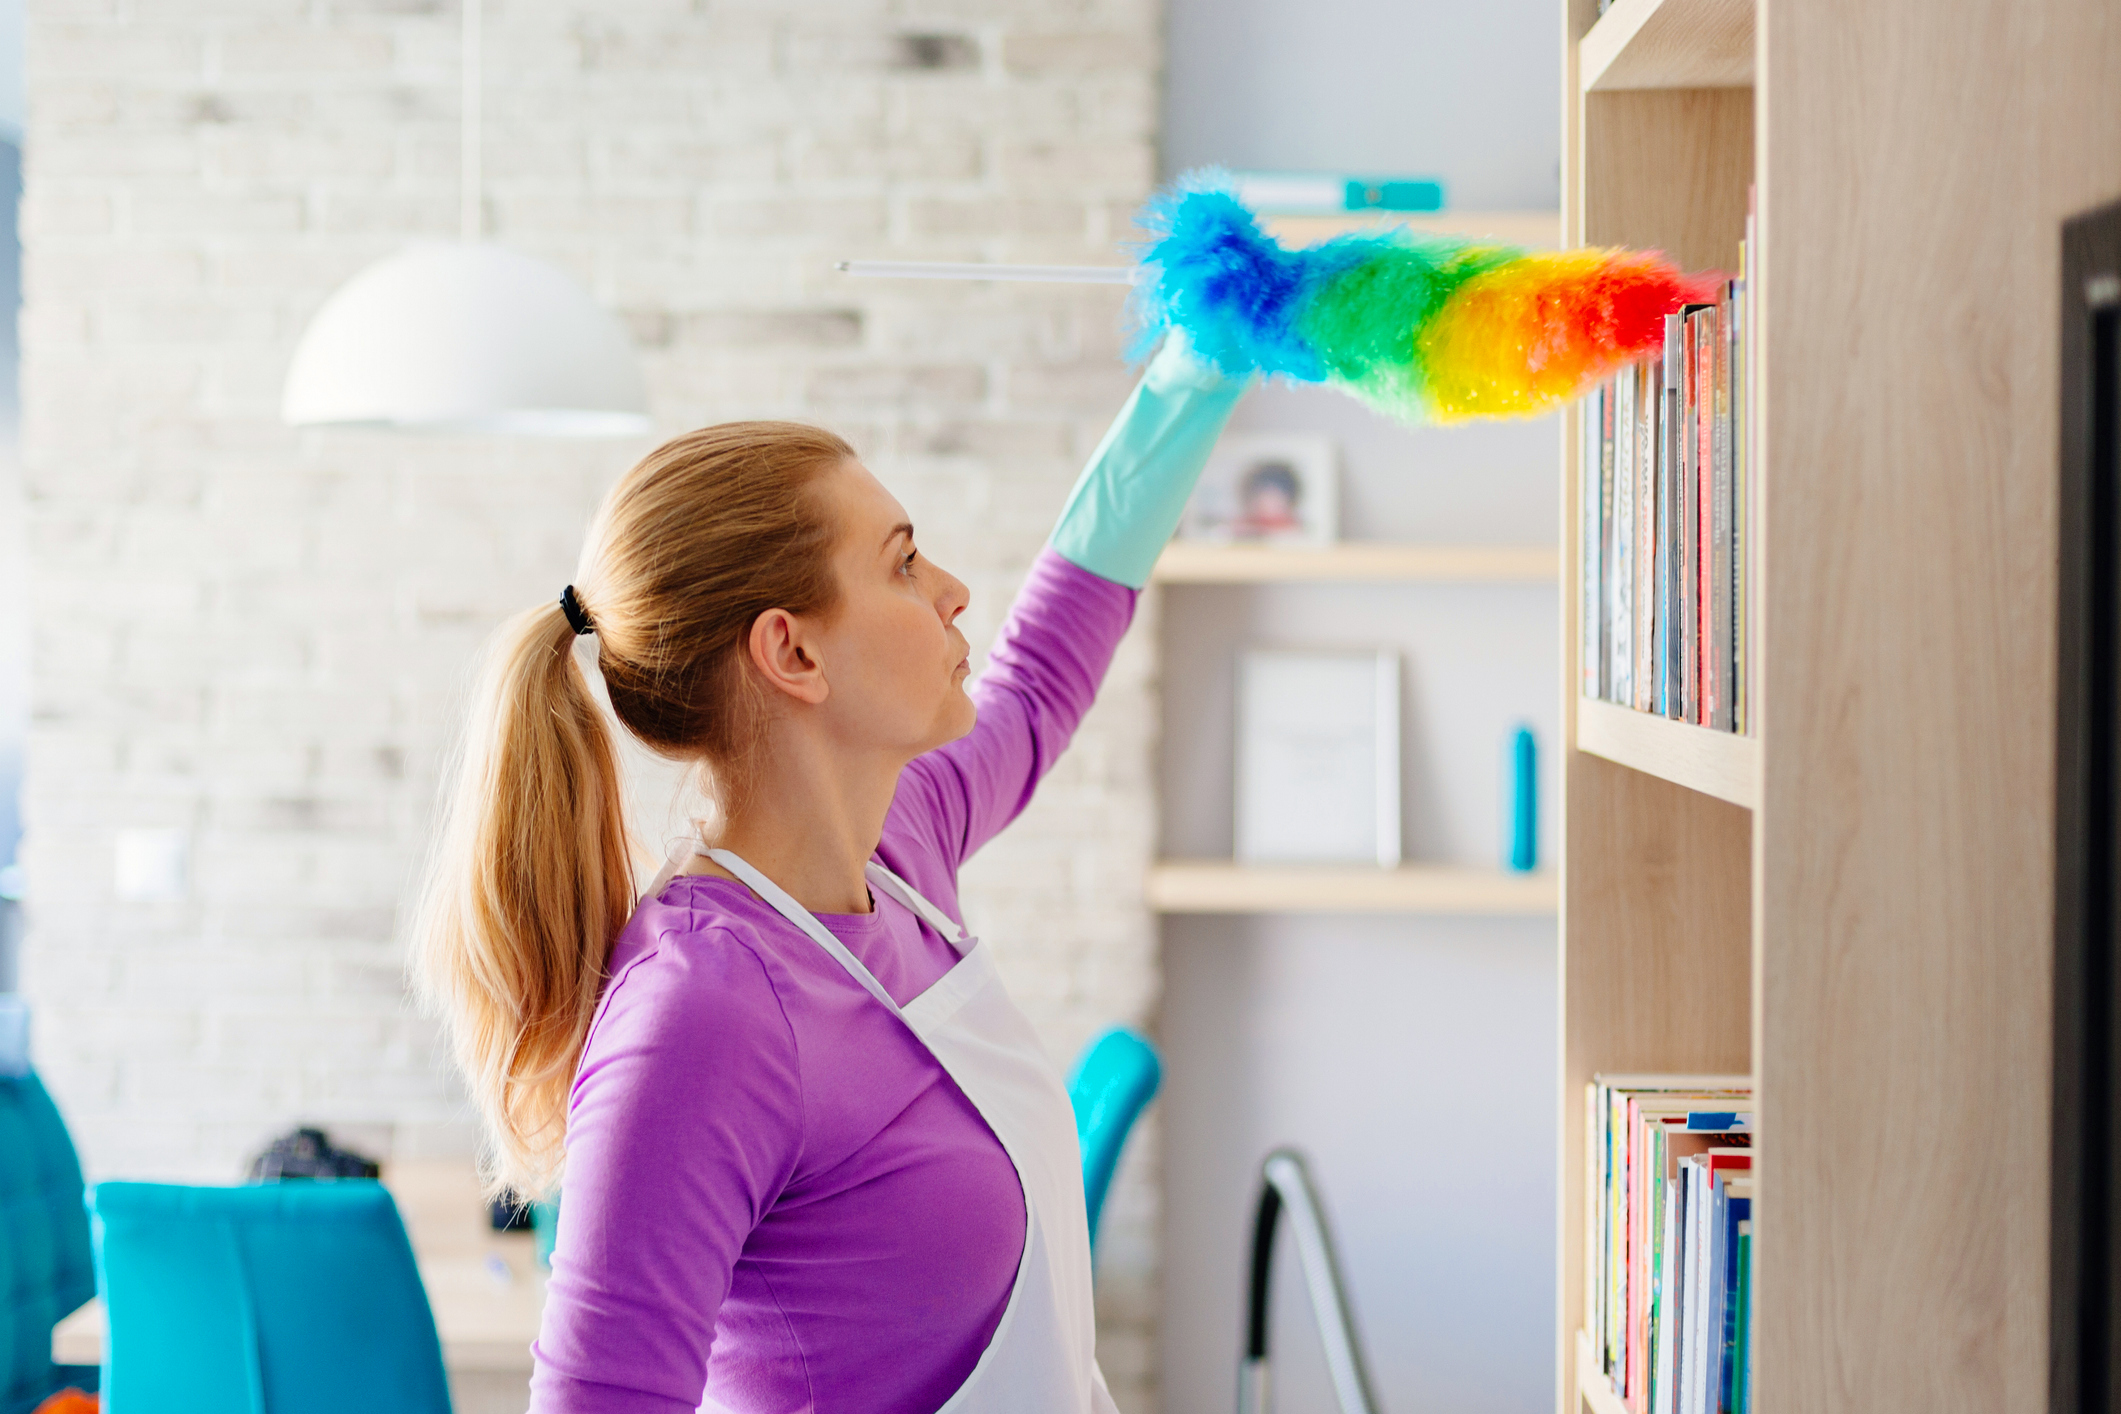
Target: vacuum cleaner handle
{"points": [[1285, 1183]]}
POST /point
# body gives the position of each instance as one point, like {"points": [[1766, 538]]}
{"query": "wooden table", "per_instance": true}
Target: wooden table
{"points": [[485, 1286]]}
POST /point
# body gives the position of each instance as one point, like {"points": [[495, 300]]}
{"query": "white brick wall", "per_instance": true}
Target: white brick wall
{"points": [[258, 636]]}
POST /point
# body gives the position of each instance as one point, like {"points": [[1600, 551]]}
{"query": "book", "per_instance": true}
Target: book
{"points": [[1734, 1211], [1716, 585], [1605, 541], [1685, 396], [1742, 1349], [1675, 499], [1661, 620], [1644, 434], [1742, 487], [1666, 1291], [1703, 426], [1699, 1200], [1589, 519], [1621, 563]]}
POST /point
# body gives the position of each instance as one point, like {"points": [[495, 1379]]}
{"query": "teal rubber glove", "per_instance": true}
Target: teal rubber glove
{"points": [[1135, 488]]}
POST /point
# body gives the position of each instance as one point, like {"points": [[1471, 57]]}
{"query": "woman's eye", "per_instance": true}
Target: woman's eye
{"points": [[905, 563]]}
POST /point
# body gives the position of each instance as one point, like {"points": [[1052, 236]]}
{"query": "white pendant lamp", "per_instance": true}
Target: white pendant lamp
{"points": [[466, 336]]}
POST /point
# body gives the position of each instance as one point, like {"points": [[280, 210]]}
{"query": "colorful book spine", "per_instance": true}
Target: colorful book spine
{"points": [[1674, 602], [1733, 1216], [1687, 610], [1662, 625], [1622, 562], [1666, 1292], [1589, 575], [1743, 489], [1605, 541], [1742, 1360], [1704, 425], [1645, 438], [1715, 587]]}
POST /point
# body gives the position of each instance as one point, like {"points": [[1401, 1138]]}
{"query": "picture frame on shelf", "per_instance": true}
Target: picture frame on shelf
{"points": [[1267, 488], [1317, 771]]}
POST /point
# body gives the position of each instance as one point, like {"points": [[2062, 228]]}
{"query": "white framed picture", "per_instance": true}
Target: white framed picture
{"points": [[1318, 757], [1276, 488]]}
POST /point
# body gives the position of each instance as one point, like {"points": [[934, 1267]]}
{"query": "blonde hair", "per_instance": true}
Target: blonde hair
{"points": [[532, 879]]}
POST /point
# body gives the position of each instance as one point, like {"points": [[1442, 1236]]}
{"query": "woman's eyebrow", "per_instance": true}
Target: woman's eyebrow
{"points": [[904, 527]]}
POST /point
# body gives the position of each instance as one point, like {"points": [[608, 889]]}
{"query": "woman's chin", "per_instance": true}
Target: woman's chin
{"points": [[963, 717]]}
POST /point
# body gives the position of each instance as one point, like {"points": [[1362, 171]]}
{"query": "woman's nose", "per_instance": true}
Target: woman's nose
{"points": [[954, 598]]}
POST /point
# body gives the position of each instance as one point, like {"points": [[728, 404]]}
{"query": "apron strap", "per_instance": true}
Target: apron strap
{"points": [[802, 918], [952, 931]]}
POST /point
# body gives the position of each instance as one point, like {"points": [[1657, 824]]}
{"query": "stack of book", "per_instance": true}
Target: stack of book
{"points": [[1668, 1259], [1667, 483]]}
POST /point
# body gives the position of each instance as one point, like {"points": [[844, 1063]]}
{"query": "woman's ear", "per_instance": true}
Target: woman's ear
{"points": [[783, 649]]}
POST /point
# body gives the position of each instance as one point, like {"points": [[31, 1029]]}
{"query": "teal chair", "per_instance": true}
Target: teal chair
{"points": [[278, 1298], [1114, 1080], [45, 1267]]}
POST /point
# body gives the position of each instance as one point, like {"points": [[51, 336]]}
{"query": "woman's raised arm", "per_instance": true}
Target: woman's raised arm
{"points": [[1060, 635]]}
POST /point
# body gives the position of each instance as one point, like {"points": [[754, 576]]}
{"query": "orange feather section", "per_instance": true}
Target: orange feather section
{"points": [[1535, 331]]}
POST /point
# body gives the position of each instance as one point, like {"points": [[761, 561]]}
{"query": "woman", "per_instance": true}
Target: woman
{"points": [[815, 1160]]}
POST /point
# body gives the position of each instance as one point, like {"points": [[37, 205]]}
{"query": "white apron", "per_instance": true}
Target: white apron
{"points": [[1043, 1356]]}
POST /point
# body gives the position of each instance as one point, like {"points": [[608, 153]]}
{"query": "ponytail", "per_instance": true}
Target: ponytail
{"points": [[530, 884], [531, 880]]}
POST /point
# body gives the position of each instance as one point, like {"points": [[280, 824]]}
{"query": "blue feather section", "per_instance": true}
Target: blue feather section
{"points": [[1234, 290]]}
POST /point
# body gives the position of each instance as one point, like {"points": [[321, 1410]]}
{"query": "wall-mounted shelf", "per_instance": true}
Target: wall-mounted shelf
{"points": [[1669, 44], [1195, 563], [1220, 886], [1596, 1389], [1536, 229], [1722, 764]]}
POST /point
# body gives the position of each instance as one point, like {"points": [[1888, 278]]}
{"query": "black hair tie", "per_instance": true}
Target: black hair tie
{"points": [[577, 616]]}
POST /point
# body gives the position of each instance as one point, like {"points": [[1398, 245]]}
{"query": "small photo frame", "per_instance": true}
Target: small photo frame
{"points": [[1267, 488], [1318, 758]]}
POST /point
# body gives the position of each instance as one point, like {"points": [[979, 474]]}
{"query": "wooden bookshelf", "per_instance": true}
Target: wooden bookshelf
{"points": [[1192, 563], [1722, 764], [1592, 1384], [1221, 886], [1855, 905], [1669, 44]]}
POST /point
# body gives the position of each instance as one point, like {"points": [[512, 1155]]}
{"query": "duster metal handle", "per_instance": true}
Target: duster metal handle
{"points": [[1285, 1183]]}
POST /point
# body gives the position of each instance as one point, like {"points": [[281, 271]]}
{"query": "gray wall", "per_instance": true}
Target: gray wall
{"points": [[1413, 1058], [1468, 92]]}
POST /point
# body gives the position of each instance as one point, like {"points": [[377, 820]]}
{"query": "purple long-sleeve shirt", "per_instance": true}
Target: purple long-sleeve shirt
{"points": [[774, 1192]]}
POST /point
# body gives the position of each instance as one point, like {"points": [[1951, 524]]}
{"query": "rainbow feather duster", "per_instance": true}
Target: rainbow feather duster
{"points": [[1424, 328]]}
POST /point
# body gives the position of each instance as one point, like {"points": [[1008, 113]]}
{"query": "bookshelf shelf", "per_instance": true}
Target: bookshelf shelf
{"points": [[1721, 764], [1593, 1387], [1184, 563], [1221, 886], [1535, 229], [1640, 44]]}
